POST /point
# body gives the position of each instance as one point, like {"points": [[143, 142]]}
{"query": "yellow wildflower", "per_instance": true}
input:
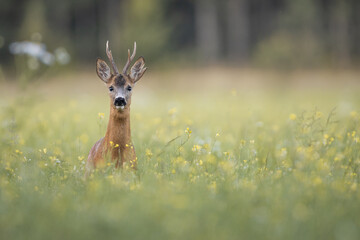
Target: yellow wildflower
{"points": [[18, 151], [353, 114], [196, 148], [172, 111], [84, 138], [187, 130], [148, 153], [317, 181], [292, 116], [318, 115]]}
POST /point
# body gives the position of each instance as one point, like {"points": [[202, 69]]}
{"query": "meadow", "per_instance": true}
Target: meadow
{"points": [[222, 154]]}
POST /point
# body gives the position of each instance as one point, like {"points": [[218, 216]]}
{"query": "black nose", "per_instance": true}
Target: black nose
{"points": [[119, 101]]}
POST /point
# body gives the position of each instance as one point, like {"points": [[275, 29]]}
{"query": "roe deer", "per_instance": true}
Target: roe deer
{"points": [[117, 142]]}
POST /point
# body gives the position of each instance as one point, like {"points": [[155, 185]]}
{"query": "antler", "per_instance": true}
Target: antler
{"points": [[127, 65], [108, 53]]}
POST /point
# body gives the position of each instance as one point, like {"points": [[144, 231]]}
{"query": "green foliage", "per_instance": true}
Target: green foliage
{"points": [[296, 42], [280, 34], [286, 51], [144, 22], [245, 166]]}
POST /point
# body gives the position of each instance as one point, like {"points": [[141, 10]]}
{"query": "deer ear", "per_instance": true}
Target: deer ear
{"points": [[138, 69], [103, 70]]}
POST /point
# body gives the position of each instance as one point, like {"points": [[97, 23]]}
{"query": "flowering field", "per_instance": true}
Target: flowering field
{"points": [[219, 161]]}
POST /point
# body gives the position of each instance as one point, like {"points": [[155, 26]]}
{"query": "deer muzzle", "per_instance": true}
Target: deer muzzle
{"points": [[120, 102]]}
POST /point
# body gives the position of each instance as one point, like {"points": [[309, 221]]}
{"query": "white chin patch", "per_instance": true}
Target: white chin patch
{"points": [[120, 107]]}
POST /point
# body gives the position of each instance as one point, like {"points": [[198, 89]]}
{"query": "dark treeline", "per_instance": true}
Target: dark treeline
{"points": [[274, 33]]}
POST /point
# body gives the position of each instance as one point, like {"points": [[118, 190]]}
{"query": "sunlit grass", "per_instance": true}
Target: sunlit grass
{"points": [[227, 164]]}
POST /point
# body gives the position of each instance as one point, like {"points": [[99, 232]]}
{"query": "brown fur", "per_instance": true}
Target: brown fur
{"points": [[116, 144], [118, 132]]}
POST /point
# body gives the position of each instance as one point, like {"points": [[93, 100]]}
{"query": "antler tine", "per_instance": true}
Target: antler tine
{"points": [[108, 53], [130, 58]]}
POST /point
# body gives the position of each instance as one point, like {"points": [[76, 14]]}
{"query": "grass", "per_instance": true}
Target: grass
{"points": [[217, 159]]}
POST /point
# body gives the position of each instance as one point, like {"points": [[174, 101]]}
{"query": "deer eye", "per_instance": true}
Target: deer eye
{"points": [[129, 88], [111, 88]]}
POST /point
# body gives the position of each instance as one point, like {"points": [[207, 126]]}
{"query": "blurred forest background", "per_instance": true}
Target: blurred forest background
{"points": [[260, 33]]}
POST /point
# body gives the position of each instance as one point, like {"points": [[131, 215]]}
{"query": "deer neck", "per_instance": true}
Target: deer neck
{"points": [[118, 130]]}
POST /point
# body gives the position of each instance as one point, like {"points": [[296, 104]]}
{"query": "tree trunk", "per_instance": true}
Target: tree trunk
{"points": [[207, 30], [340, 33], [34, 20], [237, 30]]}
